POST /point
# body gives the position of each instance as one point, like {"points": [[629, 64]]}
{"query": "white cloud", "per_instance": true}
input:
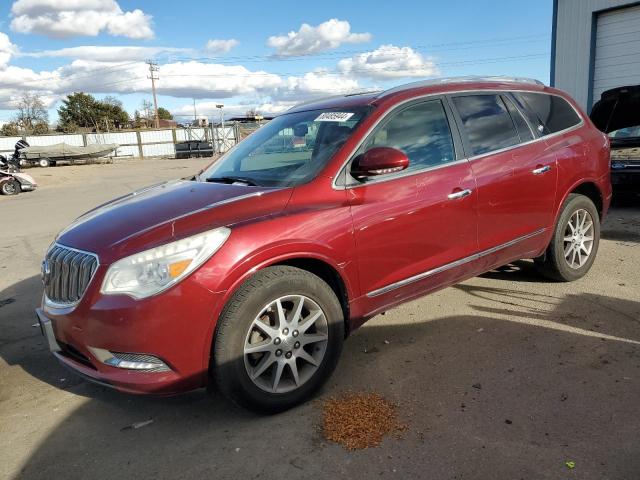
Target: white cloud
{"points": [[318, 83], [108, 53], [7, 50], [179, 79], [389, 62], [208, 109], [68, 18], [221, 46], [308, 39]]}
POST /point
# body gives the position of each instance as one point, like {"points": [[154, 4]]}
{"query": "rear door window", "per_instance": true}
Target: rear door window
{"points": [[552, 112], [487, 123]]}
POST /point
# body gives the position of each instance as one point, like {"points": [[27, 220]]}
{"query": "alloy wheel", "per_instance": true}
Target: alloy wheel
{"points": [[578, 238], [10, 188], [285, 344]]}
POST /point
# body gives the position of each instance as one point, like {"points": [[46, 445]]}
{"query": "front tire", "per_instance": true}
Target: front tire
{"points": [[575, 241], [277, 340]]}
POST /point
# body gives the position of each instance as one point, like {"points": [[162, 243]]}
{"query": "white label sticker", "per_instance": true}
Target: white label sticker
{"points": [[334, 117]]}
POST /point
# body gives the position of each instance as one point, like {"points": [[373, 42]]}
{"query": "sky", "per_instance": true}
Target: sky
{"points": [[256, 54]]}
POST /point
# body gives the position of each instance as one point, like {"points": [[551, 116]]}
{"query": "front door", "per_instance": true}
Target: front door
{"points": [[411, 226]]}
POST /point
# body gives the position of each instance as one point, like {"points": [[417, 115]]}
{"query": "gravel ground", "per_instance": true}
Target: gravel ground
{"points": [[502, 377]]}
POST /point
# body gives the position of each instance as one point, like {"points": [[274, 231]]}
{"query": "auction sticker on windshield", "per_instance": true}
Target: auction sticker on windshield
{"points": [[334, 117]]}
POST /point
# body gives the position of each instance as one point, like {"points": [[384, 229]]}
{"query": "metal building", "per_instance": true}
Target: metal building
{"points": [[595, 46]]}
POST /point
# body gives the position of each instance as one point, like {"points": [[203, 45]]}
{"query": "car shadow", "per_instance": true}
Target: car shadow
{"points": [[513, 389], [519, 271]]}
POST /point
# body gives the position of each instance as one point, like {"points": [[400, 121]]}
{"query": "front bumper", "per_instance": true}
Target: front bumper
{"points": [[130, 381], [175, 328]]}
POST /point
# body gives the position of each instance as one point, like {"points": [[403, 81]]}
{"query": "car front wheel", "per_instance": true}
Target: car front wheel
{"points": [[277, 340]]}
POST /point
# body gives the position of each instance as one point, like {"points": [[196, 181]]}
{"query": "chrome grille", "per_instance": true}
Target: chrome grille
{"points": [[66, 274]]}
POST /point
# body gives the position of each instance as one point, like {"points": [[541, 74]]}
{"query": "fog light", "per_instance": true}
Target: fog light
{"points": [[130, 361]]}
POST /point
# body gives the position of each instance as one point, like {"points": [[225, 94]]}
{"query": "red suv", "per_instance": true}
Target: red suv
{"points": [[251, 274]]}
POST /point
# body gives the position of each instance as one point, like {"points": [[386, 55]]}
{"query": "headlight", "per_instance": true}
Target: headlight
{"points": [[152, 271]]}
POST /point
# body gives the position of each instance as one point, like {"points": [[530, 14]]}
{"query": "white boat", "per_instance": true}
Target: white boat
{"points": [[46, 154]]}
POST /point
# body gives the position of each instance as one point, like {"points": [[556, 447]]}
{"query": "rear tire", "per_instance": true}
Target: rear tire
{"points": [[575, 241], [12, 187], [278, 339], [44, 162]]}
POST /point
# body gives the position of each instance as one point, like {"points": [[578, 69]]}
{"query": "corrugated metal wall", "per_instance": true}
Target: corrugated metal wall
{"points": [[151, 143], [574, 42]]}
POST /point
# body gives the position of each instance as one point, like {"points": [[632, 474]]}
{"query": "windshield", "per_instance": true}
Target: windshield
{"points": [[290, 150]]}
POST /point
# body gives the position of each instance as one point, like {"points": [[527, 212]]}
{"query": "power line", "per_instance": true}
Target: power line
{"points": [[341, 53], [357, 70]]}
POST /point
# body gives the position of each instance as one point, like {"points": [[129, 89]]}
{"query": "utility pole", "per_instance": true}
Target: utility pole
{"points": [[153, 67], [195, 115]]}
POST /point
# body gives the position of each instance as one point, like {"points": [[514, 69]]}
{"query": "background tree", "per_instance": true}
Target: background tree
{"points": [[111, 113], [9, 129], [31, 111], [40, 128], [146, 110], [81, 110], [164, 114]]}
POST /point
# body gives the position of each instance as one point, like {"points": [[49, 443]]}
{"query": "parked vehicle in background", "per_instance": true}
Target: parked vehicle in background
{"points": [[12, 180], [617, 113], [50, 155], [194, 148], [250, 275]]}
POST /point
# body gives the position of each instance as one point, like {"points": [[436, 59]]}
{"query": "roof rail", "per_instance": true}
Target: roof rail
{"points": [[443, 80], [331, 97]]}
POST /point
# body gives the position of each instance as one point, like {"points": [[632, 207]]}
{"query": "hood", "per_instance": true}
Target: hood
{"points": [[617, 108], [157, 214]]}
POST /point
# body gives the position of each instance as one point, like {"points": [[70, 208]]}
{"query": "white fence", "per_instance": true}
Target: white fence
{"points": [[138, 143]]}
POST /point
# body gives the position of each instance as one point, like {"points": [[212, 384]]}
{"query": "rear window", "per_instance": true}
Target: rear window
{"points": [[552, 113], [487, 123]]}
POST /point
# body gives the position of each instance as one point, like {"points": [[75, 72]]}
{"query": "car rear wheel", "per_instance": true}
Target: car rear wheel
{"points": [[575, 241], [278, 339], [10, 187]]}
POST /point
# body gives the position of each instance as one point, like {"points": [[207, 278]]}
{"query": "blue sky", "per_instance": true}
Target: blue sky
{"points": [[254, 62]]}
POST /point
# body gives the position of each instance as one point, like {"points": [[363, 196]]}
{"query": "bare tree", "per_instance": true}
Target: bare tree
{"points": [[31, 111], [146, 109], [112, 101]]}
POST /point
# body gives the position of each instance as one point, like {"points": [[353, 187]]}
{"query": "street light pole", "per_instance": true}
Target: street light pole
{"points": [[221, 138]]}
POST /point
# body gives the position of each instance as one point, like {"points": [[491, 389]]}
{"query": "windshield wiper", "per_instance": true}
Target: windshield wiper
{"points": [[247, 181]]}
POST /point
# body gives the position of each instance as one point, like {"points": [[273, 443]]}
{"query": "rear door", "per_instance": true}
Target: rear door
{"points": [[515, 174]]}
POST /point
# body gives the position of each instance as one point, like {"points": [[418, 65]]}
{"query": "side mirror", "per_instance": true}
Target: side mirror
{"points": [[379, 161]]}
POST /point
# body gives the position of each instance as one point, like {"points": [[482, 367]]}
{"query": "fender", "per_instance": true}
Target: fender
{"points": [[272, 255]]}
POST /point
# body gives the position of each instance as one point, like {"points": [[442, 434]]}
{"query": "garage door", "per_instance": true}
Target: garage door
{"points": [[617, 60]]}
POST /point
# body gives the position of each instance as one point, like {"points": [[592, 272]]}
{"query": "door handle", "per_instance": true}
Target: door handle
{"points": [[541, 170], [459, 194]]}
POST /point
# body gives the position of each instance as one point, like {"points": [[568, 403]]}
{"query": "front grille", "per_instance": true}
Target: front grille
{"points": [[67, 273]]}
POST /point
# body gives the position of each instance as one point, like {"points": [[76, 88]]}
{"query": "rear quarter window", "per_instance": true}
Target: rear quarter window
{"points": [[552, 112]]}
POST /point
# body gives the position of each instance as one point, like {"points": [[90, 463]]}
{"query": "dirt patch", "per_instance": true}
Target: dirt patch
{"points": [[359, 420]]}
